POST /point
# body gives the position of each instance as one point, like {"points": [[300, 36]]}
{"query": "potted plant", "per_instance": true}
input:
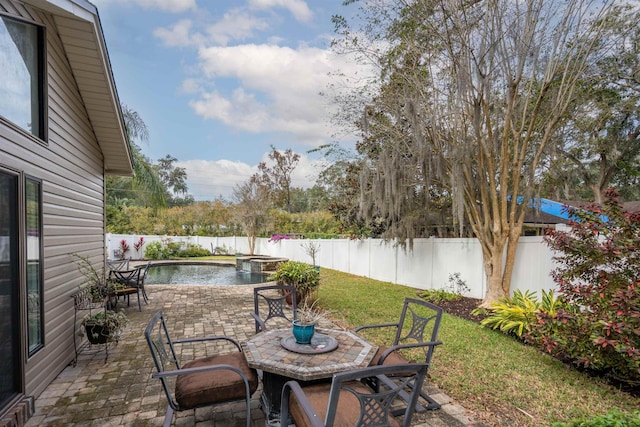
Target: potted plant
{"points": [[102, 288], [304, 325], [302, 276], [104, 326]]}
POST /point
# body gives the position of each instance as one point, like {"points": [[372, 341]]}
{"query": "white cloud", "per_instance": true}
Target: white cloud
{"points": [[298, 8], [236, 24], [278, 89], [173, 6], [189, 86], [178, 34], [209, 179]]}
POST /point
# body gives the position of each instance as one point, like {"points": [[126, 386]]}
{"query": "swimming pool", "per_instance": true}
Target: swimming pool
{"points": [[200, 274]]}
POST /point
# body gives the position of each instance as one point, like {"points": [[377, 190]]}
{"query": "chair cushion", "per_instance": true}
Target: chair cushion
{"points": [[127, 291], [348, 411], [193, 390], [393, 358]]}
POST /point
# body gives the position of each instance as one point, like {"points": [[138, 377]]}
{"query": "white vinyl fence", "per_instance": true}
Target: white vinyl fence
{"points": [[427, 266]]}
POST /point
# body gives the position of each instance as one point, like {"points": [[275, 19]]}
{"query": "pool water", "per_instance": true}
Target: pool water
{"points": [[200, 274]]}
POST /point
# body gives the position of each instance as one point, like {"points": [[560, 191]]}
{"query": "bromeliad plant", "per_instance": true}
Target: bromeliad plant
{"points": [[517, 315]]}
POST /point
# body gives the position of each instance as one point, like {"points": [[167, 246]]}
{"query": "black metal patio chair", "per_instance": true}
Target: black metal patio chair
{"points": [[129, 280], [221, 378], [133, 283], [118, 264], [349, 401], [417, 328], [274, 300]]}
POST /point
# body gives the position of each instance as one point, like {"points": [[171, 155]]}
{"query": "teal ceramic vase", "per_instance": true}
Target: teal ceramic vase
{"points": [[303, 333]]}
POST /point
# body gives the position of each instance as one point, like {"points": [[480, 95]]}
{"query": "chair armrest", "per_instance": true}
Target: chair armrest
{"points": [[293, 387], [381, 325], [261, 323], [211, 338], [186, 371], [403, 346]]}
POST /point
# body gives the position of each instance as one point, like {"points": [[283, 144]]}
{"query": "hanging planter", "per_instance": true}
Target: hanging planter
{"points": [[104, 326], [97, 333]]}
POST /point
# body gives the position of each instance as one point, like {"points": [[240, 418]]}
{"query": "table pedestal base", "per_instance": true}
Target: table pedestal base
{"points": [[271, 397]]}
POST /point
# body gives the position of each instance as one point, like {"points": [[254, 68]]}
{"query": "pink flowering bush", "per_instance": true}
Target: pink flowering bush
{"points": [[278, 237]]}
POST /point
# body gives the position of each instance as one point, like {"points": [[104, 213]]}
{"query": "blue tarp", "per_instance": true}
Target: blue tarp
{"points": [[552, 208], [556, 209]]}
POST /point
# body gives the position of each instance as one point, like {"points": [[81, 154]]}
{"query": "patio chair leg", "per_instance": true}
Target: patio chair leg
{"points": [[433, 405], [168, 417]]}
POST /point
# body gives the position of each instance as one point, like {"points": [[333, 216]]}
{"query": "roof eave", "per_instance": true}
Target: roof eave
{"points": [[80, 30]]}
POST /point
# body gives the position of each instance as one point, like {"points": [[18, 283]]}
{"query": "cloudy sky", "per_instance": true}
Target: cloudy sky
{"points": [[219, 81]]}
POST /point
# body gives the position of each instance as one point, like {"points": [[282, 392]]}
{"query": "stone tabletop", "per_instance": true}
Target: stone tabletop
{"points": [[264, 351]]}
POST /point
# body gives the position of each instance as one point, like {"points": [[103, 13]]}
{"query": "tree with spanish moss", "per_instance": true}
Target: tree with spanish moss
{"points": [[470, 95]]}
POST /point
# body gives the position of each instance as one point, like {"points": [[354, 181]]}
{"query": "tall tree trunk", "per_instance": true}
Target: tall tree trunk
{"points": [[252, 244], [597, 193], [493, 270]]}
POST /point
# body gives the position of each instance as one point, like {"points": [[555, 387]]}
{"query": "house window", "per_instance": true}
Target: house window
{"points": [[22, 75], [33, 209]]}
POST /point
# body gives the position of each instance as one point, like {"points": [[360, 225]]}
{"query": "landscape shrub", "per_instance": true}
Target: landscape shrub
{"points": [[165, 249], [304, 277], [154, 251], [519, 314], [438, 296], [599, 275], [193, 251], [453, 290]]}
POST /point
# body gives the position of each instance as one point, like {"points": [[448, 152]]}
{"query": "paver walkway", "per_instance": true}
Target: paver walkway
{"points": [[121, 392]]}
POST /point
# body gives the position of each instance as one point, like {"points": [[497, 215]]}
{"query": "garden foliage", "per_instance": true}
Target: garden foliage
{"points": [[611, 419], [599, 276], [167, 249], [517, 315], [302, 276], [454, 290]]}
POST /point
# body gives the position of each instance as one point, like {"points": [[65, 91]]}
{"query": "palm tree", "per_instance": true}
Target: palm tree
{"points": [[146, 185]]}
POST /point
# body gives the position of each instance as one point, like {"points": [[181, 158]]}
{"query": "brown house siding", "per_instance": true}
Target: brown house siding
{"points": [[71, 168]]}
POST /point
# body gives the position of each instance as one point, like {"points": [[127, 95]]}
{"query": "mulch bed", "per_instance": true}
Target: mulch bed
{"points": [[462, 308]]}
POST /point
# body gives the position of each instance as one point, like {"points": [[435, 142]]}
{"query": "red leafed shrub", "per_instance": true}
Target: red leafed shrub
{"points": [[599, 277], [124, 248]]}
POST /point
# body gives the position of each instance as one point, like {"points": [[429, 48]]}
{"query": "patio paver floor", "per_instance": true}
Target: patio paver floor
{"points": [[121, 392]]}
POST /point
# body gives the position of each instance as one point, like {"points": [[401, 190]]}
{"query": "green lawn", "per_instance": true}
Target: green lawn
{"points": [[501, 380]]}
